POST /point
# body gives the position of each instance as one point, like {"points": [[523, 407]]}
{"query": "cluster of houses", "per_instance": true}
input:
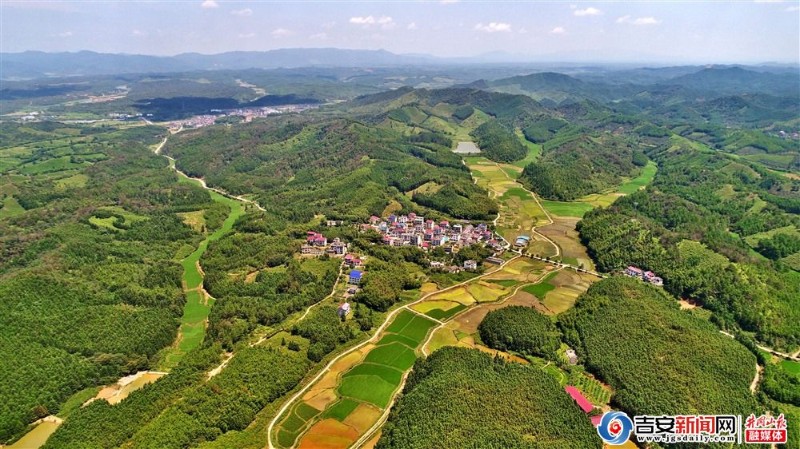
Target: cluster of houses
{"points": [[317, 245], [647, 276], [415, 230]]}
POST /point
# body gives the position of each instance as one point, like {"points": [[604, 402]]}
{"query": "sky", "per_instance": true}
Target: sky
{"points": [[654, 31]]}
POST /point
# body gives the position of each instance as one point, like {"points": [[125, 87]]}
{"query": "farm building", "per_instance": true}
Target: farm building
{"points": [[522, 240], [470, 265], [633, 271], [582, 402], [355, 277], [571, 356], [343, 310], [494, 260]]}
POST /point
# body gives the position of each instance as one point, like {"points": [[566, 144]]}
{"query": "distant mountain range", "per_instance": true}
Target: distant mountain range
{"points": [[36, 64]]}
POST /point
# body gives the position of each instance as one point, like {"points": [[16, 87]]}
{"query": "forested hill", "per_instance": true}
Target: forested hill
{"points": [[633, 336], [89, 287], [701, 225], [340, 167], [585, 165], [459, 398]]}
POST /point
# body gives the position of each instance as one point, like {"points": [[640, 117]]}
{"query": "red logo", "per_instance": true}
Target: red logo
{"points": [[765, 429]]}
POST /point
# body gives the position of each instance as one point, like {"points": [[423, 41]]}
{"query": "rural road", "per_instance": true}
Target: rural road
{"points": [[202, 181], [378, 331]]}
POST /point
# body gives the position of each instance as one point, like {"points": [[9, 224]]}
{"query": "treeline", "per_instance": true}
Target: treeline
{"points": [[101, 425], [582, 166], [461, 397], [498, 143], [521, 329], [229, 401], [634, 337]]}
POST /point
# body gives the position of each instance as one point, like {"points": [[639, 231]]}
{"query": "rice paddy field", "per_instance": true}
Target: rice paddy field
{"points": [[568, 286], [563, 233], [345, 403], [198, 304]]}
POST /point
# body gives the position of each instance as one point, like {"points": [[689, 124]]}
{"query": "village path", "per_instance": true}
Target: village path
{"points": [[536, 199], [382, 420], [782, 355], [202, 181], [389, 318]]}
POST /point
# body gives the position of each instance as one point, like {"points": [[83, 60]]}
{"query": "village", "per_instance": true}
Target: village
{"points": [[407, 230]]}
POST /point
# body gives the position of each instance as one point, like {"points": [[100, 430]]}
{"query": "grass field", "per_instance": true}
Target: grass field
{"points": [[791, 367], [534, 150], [753, 240], [11, 207], [196, 309], [567, 208], [539, 290], [569, 285], [441, 315], [341, 409], [639, 182], [78, 180], [486, 292]]}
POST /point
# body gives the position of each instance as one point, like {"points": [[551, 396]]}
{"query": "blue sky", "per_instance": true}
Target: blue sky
{"points": [[658, 31]]}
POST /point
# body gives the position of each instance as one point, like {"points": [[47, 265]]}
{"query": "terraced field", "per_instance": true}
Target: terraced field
{"points": [[356, 390]]}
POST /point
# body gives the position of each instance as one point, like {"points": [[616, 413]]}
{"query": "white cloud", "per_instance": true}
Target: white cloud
{"points": [[246, 35], [639, 21], [448, 2], [280, 32], [328, 25], [558, 30], [494, 27], [768, 1], [208, 4], [793, 8], [522, 31], [385, 22], [358, 20], [590, 11], [646, 21], [412, 26], [138, 33], [319, 36], [246, 12], [65, 34]]}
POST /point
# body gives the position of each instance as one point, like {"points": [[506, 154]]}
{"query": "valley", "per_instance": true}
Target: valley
{"points": [[301, 279]]}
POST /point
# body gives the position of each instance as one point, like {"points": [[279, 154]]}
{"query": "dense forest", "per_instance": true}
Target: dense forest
{"points": [[89, 285], [582, 165], [498, 143], [692, 227], [623, 329], [459, 398], [521, 329]]}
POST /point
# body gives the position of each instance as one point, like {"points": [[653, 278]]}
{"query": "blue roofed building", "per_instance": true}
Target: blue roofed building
{"points": [[355, 277]]}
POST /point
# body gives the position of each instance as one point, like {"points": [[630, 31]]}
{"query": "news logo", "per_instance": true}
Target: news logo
{"points": [[615, 428], [765, 429]]}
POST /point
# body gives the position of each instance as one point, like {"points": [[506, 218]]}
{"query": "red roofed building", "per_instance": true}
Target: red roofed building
{"points": [[583, 403]]}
